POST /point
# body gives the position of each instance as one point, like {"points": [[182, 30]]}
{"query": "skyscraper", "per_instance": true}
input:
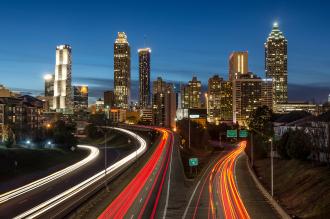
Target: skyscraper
{"points": [[109, 97], [122, 71], [49, 85], [220, 99], [249, 93], [238, 64], [80, 98], [62, 101], [163, 104], [144, 77], [191, 94], [276, 64]]}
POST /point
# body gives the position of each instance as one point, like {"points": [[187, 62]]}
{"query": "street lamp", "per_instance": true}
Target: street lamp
{"points": [[271, 166], [105, 148]]}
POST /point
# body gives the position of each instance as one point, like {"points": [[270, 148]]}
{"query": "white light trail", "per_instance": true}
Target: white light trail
{"points": [[45, 206], [94, 152]]}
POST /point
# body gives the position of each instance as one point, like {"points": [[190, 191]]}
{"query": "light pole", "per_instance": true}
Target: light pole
{"points": [[105, 148], [271, 167], [251, 142], [189, 130]]}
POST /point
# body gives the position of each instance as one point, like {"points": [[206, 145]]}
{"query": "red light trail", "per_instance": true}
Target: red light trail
{"points": [[119, 207]]}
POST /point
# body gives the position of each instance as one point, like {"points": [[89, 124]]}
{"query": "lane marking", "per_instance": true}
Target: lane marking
{"points": [[169, 179], [193, 194], [54, 201], [94, 152]]}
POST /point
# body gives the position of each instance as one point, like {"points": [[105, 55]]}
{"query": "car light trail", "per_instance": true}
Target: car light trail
{"points": [[232, 204], [94, 152], [45, 206], [121, 204], [222, 189]]}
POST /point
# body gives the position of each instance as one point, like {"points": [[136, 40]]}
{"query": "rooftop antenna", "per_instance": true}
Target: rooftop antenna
{"points": [[144, 40]]}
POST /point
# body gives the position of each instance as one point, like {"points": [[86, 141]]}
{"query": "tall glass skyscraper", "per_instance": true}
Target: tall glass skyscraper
{"points": [[276, 64], [122, 71], [144, 77]]}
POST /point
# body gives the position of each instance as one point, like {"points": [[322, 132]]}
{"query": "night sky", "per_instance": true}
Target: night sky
{"points": [[187, 38]]}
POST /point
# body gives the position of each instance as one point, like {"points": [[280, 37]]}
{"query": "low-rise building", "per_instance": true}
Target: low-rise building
{"points": [[23, 114], [283, 108]]}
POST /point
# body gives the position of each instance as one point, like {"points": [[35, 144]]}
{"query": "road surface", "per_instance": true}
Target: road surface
{"points": [[149, 194], [226, 190], [29, 203]]}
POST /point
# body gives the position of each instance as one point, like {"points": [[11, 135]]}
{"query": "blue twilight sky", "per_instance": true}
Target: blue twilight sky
{"points": [[187, 38]]}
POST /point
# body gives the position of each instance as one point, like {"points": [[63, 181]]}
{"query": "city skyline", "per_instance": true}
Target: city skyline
{"points": [[92, 57]]}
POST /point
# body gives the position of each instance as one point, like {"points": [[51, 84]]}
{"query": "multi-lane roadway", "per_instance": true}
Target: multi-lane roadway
{"points": [[141, 198], [218, 193], [52, 195], [224, 190]]}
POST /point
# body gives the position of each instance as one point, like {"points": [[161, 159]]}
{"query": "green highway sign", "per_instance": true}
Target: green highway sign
{"points": [[232, 133], [193, 162], [243, 133]]}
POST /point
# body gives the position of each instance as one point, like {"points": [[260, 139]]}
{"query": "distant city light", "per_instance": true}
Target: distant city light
{"points": [[28, 142]]}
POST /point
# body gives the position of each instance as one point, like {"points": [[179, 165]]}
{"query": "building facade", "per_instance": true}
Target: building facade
{"points": [[122, 71], [276, 64], [62, 101], [109, 98], [80, 98], [238, 64], [191, 94], [144, 77], [248, 96], [23, 115], [164, 104]]}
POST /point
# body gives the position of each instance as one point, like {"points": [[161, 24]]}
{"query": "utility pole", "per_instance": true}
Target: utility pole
{"points": [[251, 142], [189, 129], [105, 149], [272, 166]]}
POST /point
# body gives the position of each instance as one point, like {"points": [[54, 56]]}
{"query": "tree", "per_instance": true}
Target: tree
{"points": [[298, 145], [260, 120], [8, 136], [282, 145], [93, 132], [63, 134], [261, 127], [216, 130]]}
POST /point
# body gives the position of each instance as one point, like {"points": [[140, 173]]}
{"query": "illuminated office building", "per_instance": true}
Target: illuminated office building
{"points": [[219, 99], [191, 94], [49, 85], [249, 93], [109, 98], [144, 77], [238, 64], [163, 104], [276, 64], [122, 71], [62, 101], [80, 98]]}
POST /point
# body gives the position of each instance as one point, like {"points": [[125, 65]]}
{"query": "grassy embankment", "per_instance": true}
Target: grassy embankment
{"points": [[302, 188], [35, 160]]}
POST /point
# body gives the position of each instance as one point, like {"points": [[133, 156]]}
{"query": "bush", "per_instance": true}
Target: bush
{"points": [[63, 135]]}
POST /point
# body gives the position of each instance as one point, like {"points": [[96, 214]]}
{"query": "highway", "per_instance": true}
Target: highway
{"points": [[218, 193], [53, 195], [148, 194]]}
